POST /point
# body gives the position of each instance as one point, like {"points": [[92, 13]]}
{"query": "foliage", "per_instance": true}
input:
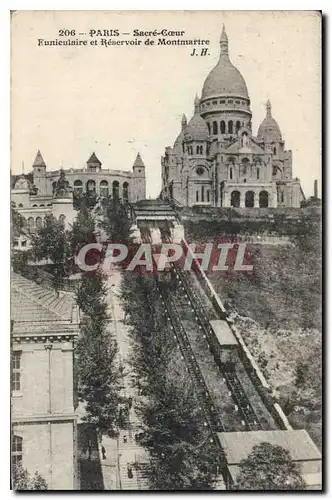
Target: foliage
{"points": [[22, 480], [115, 220], [51, 242], [269, 467], [182, 457], [85, 200], [97, 374], [17, 223], [97, 371], [82, 231]]}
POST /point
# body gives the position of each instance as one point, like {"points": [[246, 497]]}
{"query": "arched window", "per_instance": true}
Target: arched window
{"points": [[237, 126], [17, 449], [78, 186], [231, 173], [197, 150], [221, 194], [249, 199], [115, 190], [34, 206], [31, 224], [42, 205], [263, 199], [62, 219], [282, 196], [104, 189], [209, 128], [230, 127], [20, 205], [53, 187], [235, 198], [223, 127], [245, 165], [197, 196], [39, 223], [258, 172], [202, 192], [125, 192], [91, 186], [208, 196], [215, 128]]}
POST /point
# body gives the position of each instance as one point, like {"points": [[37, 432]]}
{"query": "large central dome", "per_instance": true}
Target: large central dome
{"points": [[224, 78]]}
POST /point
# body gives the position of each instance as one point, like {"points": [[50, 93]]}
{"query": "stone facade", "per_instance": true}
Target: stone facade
{"points": [[217, 161], [40, 198], [44, 328]]}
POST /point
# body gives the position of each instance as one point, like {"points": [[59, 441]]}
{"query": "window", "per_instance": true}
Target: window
{"points": [[197, 150], [230, 101], [20, 205], [16, 371], [208, 196], [199, 170], [258, 172], [222, 101], [282, 196], [78, 186], [237, 126], [231, 173], [104, 189], [230, 127], [214, 102], [274, 170], [17, 449], [39, 223], [209, 128], [274, 150], [202, 191], [197, 196], [115, 190], [222, 127], [215, 128], [24, 243], [15, 243], [125, 192]]}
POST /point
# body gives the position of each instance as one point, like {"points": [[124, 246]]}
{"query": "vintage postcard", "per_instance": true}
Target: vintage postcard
{"points": [[166, 309]]}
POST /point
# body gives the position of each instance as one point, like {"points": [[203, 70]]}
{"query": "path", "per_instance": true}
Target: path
{"points": [[118, 452]]}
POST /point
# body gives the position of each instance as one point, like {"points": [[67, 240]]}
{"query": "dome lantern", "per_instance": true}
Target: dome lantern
{"points": [[224, 79]]}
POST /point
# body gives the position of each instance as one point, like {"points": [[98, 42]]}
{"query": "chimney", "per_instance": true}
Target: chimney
{"points": [[316, 188]]}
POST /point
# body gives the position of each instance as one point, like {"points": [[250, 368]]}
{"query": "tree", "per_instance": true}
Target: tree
{"points": [[51, 242], [269, 467], [82, 231], [115, 220], [22, 480], [98, 376]]}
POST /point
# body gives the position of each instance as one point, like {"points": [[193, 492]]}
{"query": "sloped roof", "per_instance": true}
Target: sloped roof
{"points": [[223, 332], [138, 162], [239, 445], [93, 159], [235, 147], [33, 303], [39, 161]]}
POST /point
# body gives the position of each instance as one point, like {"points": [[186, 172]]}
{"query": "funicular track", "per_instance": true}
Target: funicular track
{"points": [[205, 396], [232, 381]]}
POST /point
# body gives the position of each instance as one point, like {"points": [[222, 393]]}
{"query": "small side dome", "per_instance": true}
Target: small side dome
{"points": [[269, 130], [22, 184], [197, 129]]}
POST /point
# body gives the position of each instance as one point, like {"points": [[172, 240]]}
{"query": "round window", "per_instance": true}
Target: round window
{"points": [[199, 170]]}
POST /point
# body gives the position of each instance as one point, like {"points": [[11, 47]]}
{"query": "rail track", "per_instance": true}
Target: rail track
{"points": [[185, 295]]}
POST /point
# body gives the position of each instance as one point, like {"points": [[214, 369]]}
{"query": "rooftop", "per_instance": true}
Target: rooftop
{"points": [[223, 332], [238, 445], [33, 304]]}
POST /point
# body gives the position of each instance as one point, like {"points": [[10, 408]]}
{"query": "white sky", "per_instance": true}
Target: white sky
{"points": [[70, 101]]}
